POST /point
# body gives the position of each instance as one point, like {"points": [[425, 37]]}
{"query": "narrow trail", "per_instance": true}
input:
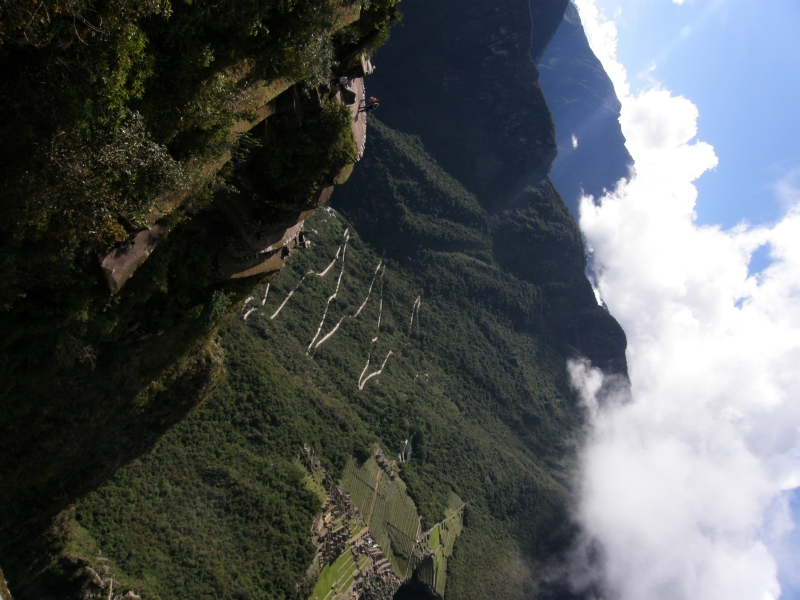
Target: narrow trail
{"points": [[369, 291], [338, 283], [373, 341], [362, 379], [380, 314], [417, 303], [280, 308], [358, 312], [330, 266], [342, 249], [245, 310], [361, 384]]}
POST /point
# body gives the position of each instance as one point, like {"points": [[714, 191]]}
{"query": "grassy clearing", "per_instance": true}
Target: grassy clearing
{"points": [[332, 576]]}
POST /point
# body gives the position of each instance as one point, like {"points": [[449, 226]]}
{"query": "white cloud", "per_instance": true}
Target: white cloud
{"points": [[787, 189], [679, 485]]}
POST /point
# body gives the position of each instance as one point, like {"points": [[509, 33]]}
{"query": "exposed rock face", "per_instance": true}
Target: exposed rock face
{"points": [[462, 78], [120, 264], [131, 396], [93, 380], [464, 81], [484, 119], [591, 148], [4, 593], [262, 242]]}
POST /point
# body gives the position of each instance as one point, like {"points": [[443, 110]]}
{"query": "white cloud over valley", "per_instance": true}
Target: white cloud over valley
{"points": [[682, 487]]}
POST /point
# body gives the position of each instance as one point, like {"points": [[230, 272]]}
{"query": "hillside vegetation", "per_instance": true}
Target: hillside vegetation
{"points": [[118, 117], [438, 302], [477, 378]]}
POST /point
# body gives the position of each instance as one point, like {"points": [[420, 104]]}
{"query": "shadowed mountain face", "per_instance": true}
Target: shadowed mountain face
{"points": [[462, 79], [591, 148], [460, 75], [452, 201], [123, 163]]}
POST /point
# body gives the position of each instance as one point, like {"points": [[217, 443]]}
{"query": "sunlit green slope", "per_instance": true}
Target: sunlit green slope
{"points": [[477, 377]]}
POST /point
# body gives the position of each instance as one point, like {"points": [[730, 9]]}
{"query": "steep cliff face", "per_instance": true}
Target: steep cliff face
{"points": [[591, 148], [463, 80]]}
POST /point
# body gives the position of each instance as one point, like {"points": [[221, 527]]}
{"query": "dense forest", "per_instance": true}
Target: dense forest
{"points": [[154, 434], [122, 120], [474, 379]]}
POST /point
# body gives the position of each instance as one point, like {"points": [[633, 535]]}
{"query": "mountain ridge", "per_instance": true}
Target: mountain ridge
{"points": [[592, 156], [482, 257]]}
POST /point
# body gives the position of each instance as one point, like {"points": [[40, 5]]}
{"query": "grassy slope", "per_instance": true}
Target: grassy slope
{"points": [[220, 505]]}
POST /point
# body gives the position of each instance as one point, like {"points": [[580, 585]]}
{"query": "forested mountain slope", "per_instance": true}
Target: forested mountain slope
{"points": [[438, 302], [463, 80], [591, 148], [475, 375], [141, 155]]}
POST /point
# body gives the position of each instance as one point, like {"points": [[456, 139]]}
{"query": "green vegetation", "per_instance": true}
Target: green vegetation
{"points": [[118, 116], [133, 116], [296, 163], [220, 509], [383, 506], [338, 573], [479, 380], [390, 513], [440, 541]]}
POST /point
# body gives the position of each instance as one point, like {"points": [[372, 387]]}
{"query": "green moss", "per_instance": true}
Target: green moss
{"points": [[343, 175]]}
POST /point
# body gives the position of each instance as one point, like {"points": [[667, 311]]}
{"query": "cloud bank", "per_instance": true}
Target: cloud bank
{"points": [[683, 488]]}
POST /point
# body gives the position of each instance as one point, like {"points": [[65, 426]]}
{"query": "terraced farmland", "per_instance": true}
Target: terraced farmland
{"points": [[390, 513], [437, 545], [335, 578], [385, 533]]}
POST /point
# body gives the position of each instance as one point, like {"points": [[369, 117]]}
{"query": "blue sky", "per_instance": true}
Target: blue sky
{"points": [[737, 61], [691, 487]]}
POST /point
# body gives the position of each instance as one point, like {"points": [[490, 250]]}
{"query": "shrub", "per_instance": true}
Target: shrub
{"points": [[300, 161]]}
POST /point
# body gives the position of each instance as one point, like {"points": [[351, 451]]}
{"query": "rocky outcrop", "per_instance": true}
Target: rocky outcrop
{"points": [[462, 78], [591, 148], [4, 593], [261, 244], [120, 264], [257, 100], [263, 241], [92, 381]]}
